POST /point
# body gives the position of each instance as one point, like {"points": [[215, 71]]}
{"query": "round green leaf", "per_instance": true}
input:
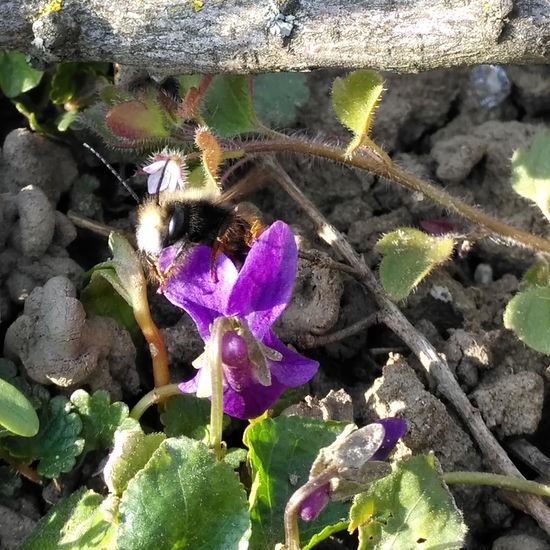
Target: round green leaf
{"points": [[531, 172], [183, 498], [227, 107], [528, 315], [16, 412], [16, 75], [408, 256], [410, 508]]}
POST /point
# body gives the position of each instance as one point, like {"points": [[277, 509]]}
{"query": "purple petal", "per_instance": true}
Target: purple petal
{"points": [[189, 386], [394, 429], [252, 400], [264, 285], [293, 369], [192, 287], [313, 505]]}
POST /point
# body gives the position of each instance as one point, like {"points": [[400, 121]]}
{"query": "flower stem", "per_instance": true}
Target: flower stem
{"points": [[154, 339], [292, 509], [214, 358], [385, 167], [152, 398], [508, 483]]}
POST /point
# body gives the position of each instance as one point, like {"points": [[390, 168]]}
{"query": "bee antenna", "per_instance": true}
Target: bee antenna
{"points": [[113, 171]]}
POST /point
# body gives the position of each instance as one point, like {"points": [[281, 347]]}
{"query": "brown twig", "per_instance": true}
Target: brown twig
{"points": [[309, 341], [532, 456], [436, 367]]}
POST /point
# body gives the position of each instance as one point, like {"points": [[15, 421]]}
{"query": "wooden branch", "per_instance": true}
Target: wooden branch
{"points": [[437, 369], [170, 37]]}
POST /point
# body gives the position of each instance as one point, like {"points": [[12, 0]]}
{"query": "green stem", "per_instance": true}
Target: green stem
{"points": [[508, 483], [214, 358], [158, 395], [384, 167]]}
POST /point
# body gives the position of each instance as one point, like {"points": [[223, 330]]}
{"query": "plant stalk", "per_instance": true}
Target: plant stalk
{"points": [[214, 358], [384, 167], [509, 483], [158, 395]]}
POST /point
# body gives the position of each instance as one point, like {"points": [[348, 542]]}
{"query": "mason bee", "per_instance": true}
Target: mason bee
{"points": [[193, 217]]}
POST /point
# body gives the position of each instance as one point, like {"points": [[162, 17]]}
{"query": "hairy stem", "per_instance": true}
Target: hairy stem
{"points": [[214, 358], [154, 397], [292, 509], [508, 483], [384, 167]]}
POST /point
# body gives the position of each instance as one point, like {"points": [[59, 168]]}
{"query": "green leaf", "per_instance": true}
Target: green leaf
{"points": [[100, 418], [184, 498], [128, 269], [410, 508], [65, 119], [528, 315], [16, 412], [132, 450], [16, 75], [354, 100], [538, 274], [282, 451], [186, 414], [79, 521], [408, 256], [137, 120], [57, 443], [227, 107], [531, 172], [277, 97], [105, 295]]}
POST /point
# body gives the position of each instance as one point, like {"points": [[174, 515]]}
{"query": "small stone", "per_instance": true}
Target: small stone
{"points": [[515, 542], [483, 274]]}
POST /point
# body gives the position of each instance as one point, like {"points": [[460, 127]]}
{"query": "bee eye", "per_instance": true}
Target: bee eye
{"points": [[175, 226]]}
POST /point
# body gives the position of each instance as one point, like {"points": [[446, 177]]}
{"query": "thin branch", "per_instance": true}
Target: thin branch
{"points": [[309, 341], [435, 366], [532, 456], [389, 170]]}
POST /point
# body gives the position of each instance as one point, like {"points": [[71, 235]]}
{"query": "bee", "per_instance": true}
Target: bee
{"points": [[193, 217]]}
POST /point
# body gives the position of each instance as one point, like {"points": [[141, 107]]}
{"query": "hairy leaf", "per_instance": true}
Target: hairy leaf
{"points": [[531, 172], [79, 521], [100, 418], [408, 255], [57, 443], [132, 450], [186, 414], [528, 315], [282, 451], [184, 498], [137, 120], [410, 508], [354, 100]]}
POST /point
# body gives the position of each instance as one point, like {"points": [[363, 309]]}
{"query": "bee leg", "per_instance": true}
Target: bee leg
{"points": [[217, 249]]}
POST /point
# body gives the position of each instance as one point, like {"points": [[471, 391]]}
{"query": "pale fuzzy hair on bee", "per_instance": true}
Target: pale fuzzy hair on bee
{"points": [[187, 195], [150, 228], [151, 216]]}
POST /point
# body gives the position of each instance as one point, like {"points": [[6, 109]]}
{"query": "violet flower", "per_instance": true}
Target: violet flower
{"points": [[167, 172], [257, 366], [394, 429]]}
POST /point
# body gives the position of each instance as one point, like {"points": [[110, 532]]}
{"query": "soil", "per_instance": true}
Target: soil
{"points": [[431, 124]]}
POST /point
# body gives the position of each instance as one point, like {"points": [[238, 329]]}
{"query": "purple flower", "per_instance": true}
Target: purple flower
{"points": [[257, 366], [166, 173], [394, 429]]}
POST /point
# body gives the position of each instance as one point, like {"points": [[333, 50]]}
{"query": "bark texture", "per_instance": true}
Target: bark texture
{"points": [[177, 36]]}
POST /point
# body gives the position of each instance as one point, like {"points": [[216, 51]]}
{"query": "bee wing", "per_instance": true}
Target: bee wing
{"points": [[248, 184]]}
